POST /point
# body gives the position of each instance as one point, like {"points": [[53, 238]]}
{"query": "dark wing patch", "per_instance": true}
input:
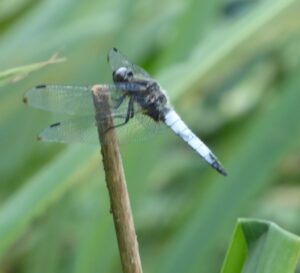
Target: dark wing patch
{"points": [[40, 86], [55, 124]]}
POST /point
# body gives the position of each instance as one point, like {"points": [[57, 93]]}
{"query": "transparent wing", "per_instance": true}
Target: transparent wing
{"points": [[78, 130], [70, 99], [116, 59], [139, 129], [83, 130]]}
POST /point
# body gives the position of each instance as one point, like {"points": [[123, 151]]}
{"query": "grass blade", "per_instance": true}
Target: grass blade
{"points": [[18, 73]]}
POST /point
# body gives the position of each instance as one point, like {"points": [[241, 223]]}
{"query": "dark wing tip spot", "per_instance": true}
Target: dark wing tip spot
{"points": [[54, 124], [112, 49], [25, 100], [40, 86], [39, 138]]}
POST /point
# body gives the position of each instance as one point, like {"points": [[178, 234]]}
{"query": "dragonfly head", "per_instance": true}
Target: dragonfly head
{"points": [[123, 74]]}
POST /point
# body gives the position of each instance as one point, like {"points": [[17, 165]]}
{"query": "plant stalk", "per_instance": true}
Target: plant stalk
{"points": [[116, 183]]}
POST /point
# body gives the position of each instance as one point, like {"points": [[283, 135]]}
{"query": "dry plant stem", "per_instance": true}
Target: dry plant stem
{"points": [[116, 184]]}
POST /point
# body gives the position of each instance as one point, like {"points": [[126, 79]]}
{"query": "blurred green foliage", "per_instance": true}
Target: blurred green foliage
{"points": [[231, 68]]}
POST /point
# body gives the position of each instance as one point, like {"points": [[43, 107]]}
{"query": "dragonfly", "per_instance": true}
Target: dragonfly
{"points": [[139, 103]]}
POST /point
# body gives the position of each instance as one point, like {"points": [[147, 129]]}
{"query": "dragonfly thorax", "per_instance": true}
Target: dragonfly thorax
{"points": [[153, 101]]}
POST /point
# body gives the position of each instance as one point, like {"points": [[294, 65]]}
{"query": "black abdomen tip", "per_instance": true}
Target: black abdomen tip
{"points": [[216, 165]]}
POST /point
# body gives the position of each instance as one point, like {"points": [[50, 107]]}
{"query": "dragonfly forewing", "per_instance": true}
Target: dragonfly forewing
{"points": [[68, 99], [73, 99]]}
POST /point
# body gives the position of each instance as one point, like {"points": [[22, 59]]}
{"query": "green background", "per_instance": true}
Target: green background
{"points": [[232, 71]]}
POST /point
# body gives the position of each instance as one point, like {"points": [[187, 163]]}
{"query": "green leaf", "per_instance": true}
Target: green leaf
{"points": [[261, 246]]}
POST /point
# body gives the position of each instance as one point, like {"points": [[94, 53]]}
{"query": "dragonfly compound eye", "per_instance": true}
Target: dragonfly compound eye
{"points": [[129, 73], [119, 75], [122, 74]]}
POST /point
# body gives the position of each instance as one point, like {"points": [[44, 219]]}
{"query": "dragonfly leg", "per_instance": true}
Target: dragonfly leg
{"points": [[131, 109], [119, 101], [129, 115]]}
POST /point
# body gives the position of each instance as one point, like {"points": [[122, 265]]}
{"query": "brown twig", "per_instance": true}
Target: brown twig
{"points": [[116, 184]]}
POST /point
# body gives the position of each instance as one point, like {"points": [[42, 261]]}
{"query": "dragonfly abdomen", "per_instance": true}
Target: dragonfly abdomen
{"points": [[173, 120]]}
